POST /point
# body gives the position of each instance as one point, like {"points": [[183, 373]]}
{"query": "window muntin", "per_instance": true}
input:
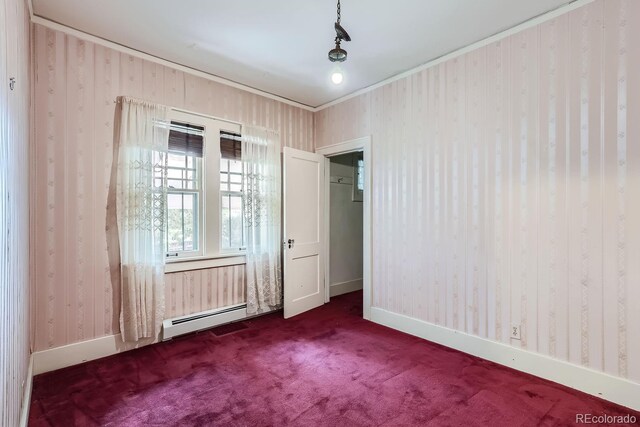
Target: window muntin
{"points": [[183, 172]]}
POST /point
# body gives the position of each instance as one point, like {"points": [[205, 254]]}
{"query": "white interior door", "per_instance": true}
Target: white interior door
{"points": [[303, 197]]}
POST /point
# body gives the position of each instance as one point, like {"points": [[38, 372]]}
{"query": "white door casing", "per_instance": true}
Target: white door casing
{"points": [[304, 236]]}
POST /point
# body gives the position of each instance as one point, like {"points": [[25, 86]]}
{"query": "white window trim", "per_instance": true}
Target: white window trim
{"points": [[210, 253], [199, 263]]}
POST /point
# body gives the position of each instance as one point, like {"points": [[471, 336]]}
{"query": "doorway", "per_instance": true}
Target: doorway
{"points": [[346, 187], [359, 151]]}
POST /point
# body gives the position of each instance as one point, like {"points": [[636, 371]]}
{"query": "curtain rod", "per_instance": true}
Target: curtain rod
{"points": [[182, 110]]}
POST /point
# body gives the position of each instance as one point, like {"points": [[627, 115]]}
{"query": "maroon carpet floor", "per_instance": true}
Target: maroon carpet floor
{"points": [[327, 367]]}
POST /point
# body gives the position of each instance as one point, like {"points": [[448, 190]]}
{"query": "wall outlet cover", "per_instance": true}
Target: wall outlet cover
{"points": [[515, 332]]}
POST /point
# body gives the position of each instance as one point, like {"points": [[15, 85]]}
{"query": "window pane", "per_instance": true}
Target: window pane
{"points": [[174, 183], [236, 222], [225, 240], [175, 236], [189, 223], [182, 222], [174, 173], [235, 166], [176, 160], [232, 222]]}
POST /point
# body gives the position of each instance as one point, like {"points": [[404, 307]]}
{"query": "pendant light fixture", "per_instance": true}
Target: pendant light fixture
{"points": [[337, 54]]}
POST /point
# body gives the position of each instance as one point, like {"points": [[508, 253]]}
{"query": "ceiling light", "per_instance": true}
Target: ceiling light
{"points": [[338, 54], [337, 77]]}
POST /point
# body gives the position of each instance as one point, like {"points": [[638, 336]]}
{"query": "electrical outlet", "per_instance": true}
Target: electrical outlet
{"points": [[515, 332]]}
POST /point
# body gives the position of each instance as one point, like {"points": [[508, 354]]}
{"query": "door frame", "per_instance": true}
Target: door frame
{"points": [[360, 144]]}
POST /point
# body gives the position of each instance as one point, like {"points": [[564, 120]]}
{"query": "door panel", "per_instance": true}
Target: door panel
{"points": [[303, 196]]}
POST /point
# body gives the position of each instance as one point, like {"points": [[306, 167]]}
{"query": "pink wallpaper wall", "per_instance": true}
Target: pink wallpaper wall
{"points": [[76, 294], [14, 208], [506, 188], [198, 290]]}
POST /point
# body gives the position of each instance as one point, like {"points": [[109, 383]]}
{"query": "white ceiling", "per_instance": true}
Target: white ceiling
{"points": [[281, 46]]}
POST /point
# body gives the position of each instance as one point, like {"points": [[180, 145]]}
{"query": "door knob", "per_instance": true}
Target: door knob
{"points": [[290, 243]]}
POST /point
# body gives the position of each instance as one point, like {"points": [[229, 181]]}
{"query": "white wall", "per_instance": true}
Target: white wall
{"points": [[14, 209], [346, 231]]}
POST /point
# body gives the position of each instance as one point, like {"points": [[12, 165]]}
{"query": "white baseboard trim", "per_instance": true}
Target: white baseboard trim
{"points": [[345, 287], [83, 351], [596, 383], [26, 396]]}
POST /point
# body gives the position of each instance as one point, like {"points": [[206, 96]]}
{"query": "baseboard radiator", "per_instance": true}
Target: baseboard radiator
{"points": [[202, 320]]}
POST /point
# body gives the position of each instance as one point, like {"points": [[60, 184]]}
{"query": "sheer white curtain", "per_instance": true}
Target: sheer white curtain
{"points": [[261, 165], [141, 203]]}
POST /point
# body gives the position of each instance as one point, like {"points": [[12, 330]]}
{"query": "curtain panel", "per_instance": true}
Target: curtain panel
{"points": [[141, 205], [262, 198]]}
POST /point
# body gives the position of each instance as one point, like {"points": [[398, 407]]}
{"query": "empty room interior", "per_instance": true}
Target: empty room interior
{"points": [[319, 213]]}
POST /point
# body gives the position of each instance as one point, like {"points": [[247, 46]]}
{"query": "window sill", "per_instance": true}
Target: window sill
{"points": [[202, 262]]}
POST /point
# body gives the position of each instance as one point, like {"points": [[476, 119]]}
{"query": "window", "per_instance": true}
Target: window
{"points": [[358, 178], [182, 175], [360, 174], [203, 175]]}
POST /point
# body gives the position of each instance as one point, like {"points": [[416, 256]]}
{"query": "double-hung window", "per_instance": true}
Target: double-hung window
{"points": [[184, 190], [203, 176]]}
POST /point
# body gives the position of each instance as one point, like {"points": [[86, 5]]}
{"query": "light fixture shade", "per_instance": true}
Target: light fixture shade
{"points": [[337, 77], [337, 54]]}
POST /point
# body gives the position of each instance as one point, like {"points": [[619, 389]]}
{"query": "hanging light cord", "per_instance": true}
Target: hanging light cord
{"points": [[338, 21]]}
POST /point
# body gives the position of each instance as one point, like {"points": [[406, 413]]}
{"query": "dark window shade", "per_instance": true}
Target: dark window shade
{"points": [[230, 146], [186, 139]]}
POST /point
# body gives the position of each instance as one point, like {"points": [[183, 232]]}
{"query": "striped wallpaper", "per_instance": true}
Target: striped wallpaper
{"points": [[76, 280], [506, 188], [199, 290], [14, 208]]}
